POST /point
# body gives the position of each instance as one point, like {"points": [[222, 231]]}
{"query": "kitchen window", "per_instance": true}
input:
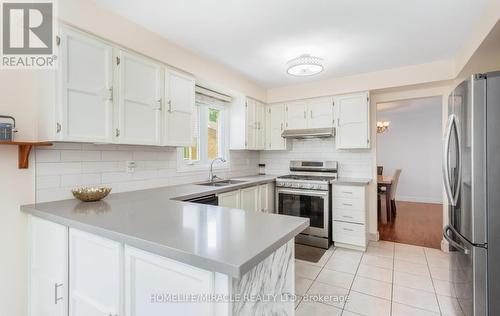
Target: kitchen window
{"points": [[210, 138]]}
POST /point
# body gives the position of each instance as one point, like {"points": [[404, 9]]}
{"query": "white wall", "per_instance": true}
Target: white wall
{"points": [[68, 165], [413, 143]]}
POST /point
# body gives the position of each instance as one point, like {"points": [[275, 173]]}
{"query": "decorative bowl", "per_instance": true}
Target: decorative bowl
{"points": [[91, 194]]}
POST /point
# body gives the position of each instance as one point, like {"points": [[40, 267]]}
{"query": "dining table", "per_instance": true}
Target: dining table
{"points": [[385, 182]]}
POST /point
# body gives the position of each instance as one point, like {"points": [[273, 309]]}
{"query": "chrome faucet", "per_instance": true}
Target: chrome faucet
{"points": [[211, 175]]}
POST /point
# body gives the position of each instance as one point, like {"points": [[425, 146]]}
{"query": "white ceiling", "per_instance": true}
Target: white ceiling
{"points": [[258, 37]]}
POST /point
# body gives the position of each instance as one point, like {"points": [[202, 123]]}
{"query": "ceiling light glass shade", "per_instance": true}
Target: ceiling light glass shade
{"points": [[305, 65]]}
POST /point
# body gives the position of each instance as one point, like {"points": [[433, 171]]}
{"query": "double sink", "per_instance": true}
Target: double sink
{"points": [[221, 183]]}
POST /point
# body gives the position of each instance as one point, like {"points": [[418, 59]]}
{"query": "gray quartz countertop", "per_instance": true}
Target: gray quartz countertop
{"points": [[352, 181], [225, 240]]}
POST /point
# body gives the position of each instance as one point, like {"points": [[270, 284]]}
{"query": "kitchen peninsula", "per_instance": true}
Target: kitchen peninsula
{"points": [[149, 253]]}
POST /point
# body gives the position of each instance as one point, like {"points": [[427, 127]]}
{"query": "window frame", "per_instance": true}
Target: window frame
{"points": [[203, 162]]}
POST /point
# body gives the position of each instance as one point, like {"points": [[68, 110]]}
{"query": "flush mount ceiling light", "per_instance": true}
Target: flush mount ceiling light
{"points": [[305, 65]]}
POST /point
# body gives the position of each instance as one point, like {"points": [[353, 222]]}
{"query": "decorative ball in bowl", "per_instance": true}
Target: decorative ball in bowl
{"points": [[91, 194]]}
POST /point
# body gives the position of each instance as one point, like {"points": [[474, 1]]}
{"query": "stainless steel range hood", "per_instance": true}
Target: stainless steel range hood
{"points": [[309, 133]]}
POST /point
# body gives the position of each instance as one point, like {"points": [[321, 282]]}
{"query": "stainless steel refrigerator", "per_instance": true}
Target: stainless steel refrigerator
{"points": [[471, 171]]}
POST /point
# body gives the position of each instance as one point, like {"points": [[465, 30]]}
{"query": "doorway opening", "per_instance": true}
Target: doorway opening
{"points": [[409, 145]]}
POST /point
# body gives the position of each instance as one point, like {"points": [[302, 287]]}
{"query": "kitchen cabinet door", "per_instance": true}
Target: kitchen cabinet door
{"points": [[85, 111], [95, 270], [266, 198], [147, 275], [249, 199], [251, 124], [296, 115], [139, 100], [180, 103], [275, 124], [48, 268], [320, 113], [230, 199], [353, 121], [260, 120]]}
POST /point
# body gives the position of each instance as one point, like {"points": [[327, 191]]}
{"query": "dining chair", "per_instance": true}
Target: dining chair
{"points": [[380, 170], [394, 186]]}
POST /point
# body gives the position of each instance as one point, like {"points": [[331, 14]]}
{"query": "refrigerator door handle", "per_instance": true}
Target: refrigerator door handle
{"points": [[452, 197], [455, 244]]}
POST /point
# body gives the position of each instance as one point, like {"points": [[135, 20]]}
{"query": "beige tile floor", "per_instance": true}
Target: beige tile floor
{"points": [[388, 279]]}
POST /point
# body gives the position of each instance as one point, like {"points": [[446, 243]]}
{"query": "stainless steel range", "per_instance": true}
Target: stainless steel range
{"points": [[306, 192]]}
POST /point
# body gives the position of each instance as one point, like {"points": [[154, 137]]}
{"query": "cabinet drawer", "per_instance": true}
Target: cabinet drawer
{"points": [[349, 204], [349, 216], [348, 233], [346, 191]]}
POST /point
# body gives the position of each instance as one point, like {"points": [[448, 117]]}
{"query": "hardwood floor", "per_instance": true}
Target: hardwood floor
{"points": [[418, 224]]}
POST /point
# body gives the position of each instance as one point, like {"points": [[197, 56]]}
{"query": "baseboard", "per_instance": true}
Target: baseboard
{"points": [[374, 236], [418, 199], [445, 246]]}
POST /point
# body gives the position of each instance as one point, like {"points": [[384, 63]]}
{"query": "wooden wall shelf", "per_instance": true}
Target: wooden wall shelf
{"points": [[24, 149]]}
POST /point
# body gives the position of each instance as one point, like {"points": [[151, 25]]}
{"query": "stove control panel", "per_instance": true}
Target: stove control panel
{"points": [[324, 186]]}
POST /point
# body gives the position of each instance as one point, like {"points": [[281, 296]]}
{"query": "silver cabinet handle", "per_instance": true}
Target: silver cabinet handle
{"points": [[347, 192], [58, 128], [311, 114], [347, 216], [117, 132], [347, 204], [348, 229], [56, 295], [170, 105]]}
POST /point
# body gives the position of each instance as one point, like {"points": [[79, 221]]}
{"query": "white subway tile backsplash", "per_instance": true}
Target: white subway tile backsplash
{"points": [[102, 166], [67, 165], [117, 155], [80, 155], [48, 155], [76, 180], [48, 182], [351, 163], [58, 168]]}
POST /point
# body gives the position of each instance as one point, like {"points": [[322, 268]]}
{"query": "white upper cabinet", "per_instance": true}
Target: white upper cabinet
{"points": [[180, 103], [275, 124], [95, 273], [296, 115], [48, 268], [260, 120], [312, 113], [139, 100], [254, 125], [320, 113], [85, 110], [251, 124], [353, 121]]}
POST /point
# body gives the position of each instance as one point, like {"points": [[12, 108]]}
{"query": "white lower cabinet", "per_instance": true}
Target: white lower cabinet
{"points": [[230, 199], [149, 277], [266, 198], [250, 199], [95, 275], [48, 285], [349, 216], [258, 198]]}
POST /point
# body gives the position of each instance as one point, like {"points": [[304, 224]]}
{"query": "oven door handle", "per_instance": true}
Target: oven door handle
{"points": [[322, 194]]}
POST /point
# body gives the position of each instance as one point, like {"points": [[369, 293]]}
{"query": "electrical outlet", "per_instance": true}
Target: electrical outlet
{"points": [[131, 166]]}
